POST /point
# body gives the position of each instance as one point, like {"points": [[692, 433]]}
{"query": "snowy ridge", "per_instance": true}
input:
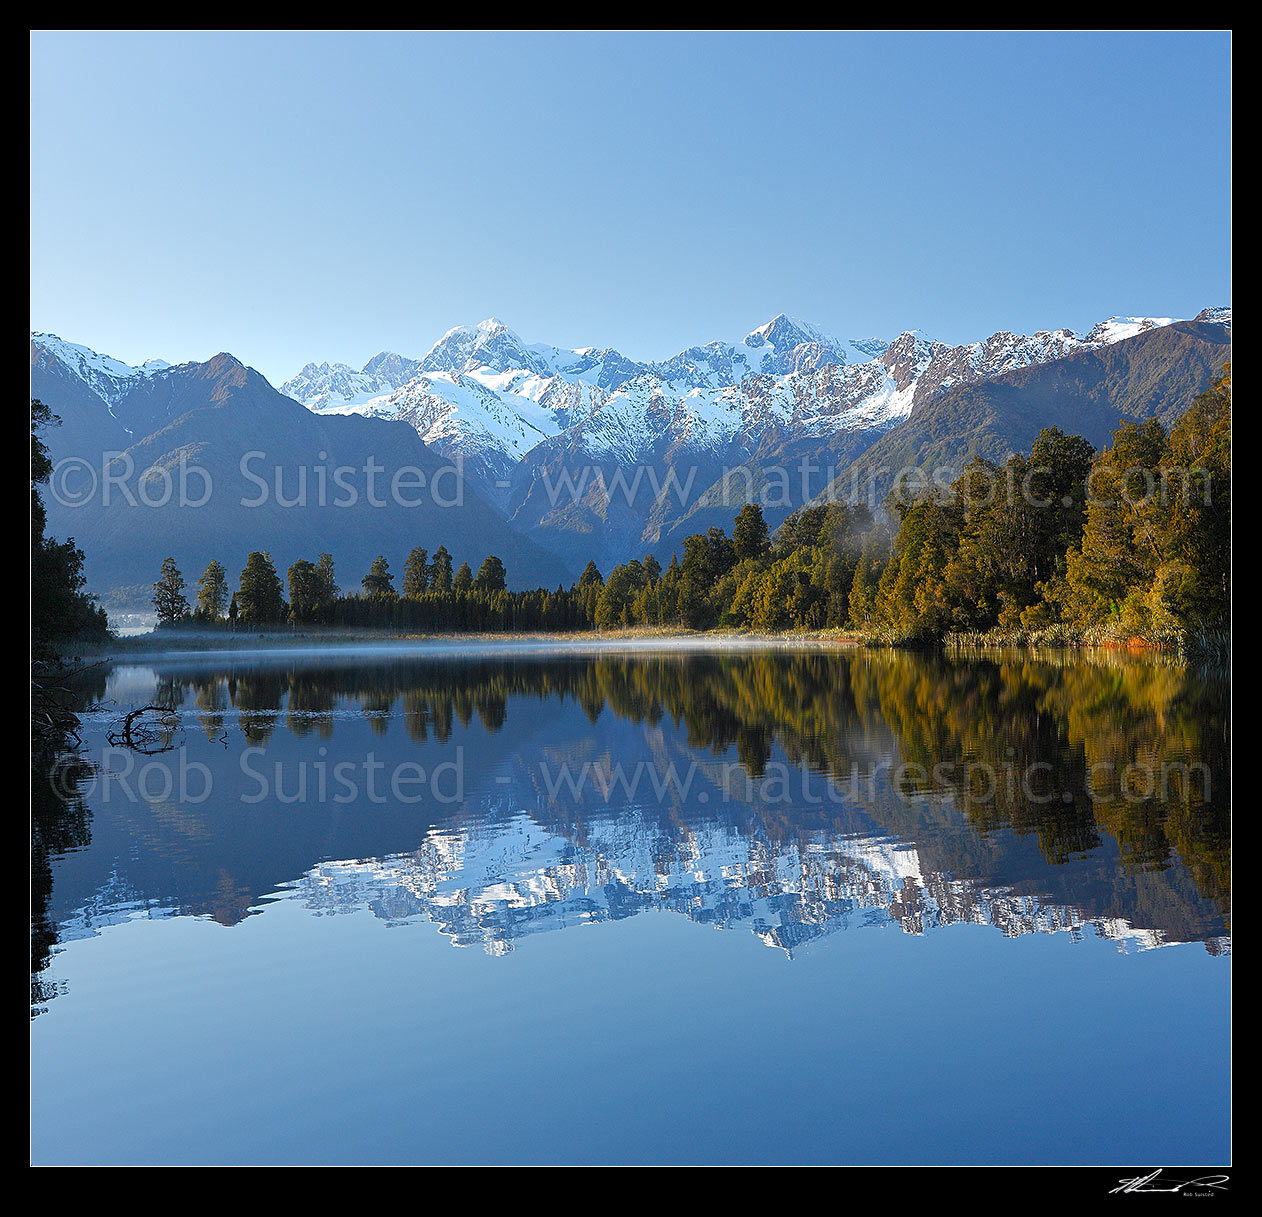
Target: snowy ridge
{"points": [[109, 378], [463, 417], [482, 396], [481, 393], [1117, 329], [325, 386]]}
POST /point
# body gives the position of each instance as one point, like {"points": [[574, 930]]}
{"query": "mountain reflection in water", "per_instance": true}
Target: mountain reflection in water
{"points": [[790, 793]]}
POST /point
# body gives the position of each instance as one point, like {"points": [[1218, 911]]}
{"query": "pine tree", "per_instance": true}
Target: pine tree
{"points": [[260, 598], [327, 586], [749, 535], [304, 590], [212, 592], [416, 573], [168, 594], [440, 572], [491, 575]]}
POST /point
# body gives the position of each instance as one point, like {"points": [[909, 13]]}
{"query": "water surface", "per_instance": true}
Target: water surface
{"points": [[792, 906]]}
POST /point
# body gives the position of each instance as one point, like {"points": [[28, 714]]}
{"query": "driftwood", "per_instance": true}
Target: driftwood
{"points": [[147, 736]]}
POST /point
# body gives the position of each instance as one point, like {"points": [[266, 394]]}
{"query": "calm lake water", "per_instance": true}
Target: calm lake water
{"points": [[740, 906]]}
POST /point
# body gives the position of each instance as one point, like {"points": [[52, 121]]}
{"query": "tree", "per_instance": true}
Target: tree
{"points": [[312, 589], [464, 578], [379, 581], [615, 605], [1197, 516], [860, 602], [416, 573], [749, 535], [440, 572], [1119, 551], [328, 590], [491, 575], [1155, 554], [913, 596], [304, 590], [212, 592], [260, 598], [168, 594], [708, 556], [59, 606]]}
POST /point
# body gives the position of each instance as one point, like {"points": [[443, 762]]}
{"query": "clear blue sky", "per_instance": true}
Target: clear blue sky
{"points": [[290, 197]]}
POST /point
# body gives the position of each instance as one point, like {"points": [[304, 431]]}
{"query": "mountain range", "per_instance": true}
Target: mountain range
{"points": [[560, 455]]}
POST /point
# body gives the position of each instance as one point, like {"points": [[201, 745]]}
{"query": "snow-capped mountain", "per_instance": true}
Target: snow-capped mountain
{"points": [[595, 456], [483, 395]]}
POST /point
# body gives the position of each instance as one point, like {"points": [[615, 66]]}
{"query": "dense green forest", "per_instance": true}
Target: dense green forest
{"points": [[1061, 541]]}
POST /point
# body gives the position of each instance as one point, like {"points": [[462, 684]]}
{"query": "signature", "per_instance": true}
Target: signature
{"points": [[1141, 1183]]}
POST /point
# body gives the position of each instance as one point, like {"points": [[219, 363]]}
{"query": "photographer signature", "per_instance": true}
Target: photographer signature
{"points": [[1141, 1183]]}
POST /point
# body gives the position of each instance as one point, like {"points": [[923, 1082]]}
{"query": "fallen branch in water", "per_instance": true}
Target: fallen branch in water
{"points": [[145, 737]]}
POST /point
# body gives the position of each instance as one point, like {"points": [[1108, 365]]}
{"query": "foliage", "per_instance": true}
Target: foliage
{"points": [[212, 593], [60, 608], [169, 601], [259, 598], [379, 581], [1131, 542]]}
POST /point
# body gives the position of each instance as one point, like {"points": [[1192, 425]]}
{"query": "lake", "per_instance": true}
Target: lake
{"points": [[521, 904]]}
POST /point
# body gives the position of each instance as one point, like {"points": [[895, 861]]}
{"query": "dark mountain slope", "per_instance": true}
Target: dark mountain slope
{"points": [[237, 467]]}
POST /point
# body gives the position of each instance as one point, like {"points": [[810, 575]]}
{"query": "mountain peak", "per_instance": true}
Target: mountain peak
{"points": [[394, 370], [784, 332], [489, 345]]}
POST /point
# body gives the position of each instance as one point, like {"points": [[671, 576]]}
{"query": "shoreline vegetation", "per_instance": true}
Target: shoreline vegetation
{"points": [[61, 610]]}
